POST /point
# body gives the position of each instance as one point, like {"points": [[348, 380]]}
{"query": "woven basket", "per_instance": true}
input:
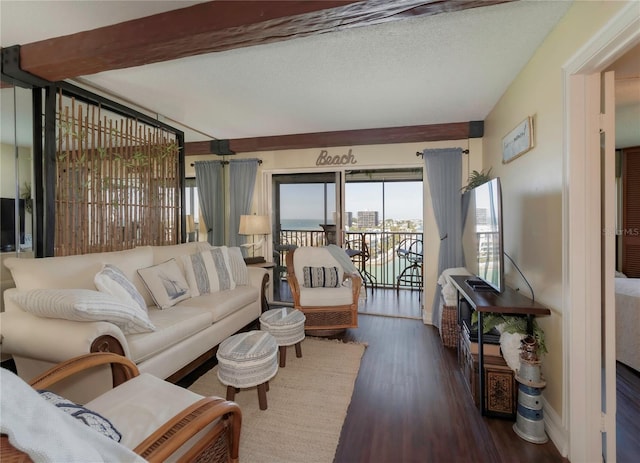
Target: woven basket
{"points": [[449, 326]]}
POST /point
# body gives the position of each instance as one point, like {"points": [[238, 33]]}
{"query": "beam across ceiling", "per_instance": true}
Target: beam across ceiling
{"points": [[211, 27], [409, 134]]}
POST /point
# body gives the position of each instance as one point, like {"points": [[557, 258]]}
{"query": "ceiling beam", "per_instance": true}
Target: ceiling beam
{"points": [[408, 134], [212, 27]]}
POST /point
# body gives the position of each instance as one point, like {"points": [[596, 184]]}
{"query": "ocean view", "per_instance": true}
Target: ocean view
{"points": [[301, 224]]}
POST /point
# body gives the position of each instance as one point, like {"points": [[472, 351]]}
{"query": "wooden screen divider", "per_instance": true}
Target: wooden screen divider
{"points": [[118, 183]]}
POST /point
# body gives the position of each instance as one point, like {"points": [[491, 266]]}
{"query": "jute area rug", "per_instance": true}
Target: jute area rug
{"points": [[307, 404]]}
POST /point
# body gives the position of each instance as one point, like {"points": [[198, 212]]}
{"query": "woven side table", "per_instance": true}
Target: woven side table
{"points": [[287, 326], [247, 360]]}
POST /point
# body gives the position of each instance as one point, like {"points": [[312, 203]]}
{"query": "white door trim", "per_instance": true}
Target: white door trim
{"points": [[581, 233]]}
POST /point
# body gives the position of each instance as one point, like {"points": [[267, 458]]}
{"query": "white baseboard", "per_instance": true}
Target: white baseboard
{"points": [[554, 428], [426, 317]]}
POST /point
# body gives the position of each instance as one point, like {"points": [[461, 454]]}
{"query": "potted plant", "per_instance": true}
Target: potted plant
{"points": [[513, 329], [26, 195], [476, 179]]}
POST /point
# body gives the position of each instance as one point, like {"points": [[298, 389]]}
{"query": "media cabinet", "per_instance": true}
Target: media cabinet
{"points": [[483, 301]]}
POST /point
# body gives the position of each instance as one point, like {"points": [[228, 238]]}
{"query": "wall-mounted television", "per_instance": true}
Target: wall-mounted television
{"points": [[482, 236], [8, 223]]}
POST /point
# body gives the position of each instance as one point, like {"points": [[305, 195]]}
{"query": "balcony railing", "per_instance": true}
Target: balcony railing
{"points": [[382, 258]]}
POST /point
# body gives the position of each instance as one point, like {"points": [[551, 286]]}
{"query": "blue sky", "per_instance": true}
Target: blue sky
{"points": [[403, 200]]}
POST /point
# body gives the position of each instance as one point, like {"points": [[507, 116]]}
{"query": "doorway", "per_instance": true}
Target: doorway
{"points": [[586, 282]]}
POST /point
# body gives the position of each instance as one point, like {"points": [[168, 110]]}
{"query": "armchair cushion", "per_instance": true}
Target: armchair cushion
{"points": [[84, 305], [321, 277], [141, 405], [326, 297], [308, 256]]}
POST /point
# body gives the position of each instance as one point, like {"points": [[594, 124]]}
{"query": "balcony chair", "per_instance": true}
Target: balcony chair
{"points": [[158, 421], [358, 250], [329, 301], [410, 250]]}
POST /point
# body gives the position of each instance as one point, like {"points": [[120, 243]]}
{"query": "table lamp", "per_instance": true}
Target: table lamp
{"points": [[254, 225]]}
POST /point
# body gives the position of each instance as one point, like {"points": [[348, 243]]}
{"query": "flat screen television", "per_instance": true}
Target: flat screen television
{"points": [[8, 223], [482, 236]]}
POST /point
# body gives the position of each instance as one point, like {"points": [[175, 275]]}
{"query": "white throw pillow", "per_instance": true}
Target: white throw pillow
{"points": [[239, 270], [208, 271], [166, 283], [84, 305], [112, 280]]}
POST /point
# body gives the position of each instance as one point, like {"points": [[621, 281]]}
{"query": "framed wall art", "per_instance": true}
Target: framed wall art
{"points": [[518, 141]]}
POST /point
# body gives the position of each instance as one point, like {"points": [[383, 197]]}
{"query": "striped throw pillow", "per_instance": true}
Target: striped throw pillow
{"points": [[320, 277], [208, 271], [112, 280], [84, 305]]}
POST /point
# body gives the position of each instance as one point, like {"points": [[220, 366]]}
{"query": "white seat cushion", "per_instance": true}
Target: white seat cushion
{"points": [[323, 297], [172, 326], [222, 303], [141, 405]]}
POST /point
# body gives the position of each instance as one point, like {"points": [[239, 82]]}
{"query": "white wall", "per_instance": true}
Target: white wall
{"points": [[533, 183]]}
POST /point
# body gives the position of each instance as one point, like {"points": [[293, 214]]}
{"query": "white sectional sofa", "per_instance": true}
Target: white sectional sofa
{"points": [[184, 333]]}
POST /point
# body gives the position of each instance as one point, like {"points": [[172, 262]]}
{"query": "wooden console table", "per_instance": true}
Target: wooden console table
{"points": [[508, 302]]}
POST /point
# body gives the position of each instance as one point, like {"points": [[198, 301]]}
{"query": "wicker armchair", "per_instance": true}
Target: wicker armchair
{"points": [[328, 310], [213, 421]]}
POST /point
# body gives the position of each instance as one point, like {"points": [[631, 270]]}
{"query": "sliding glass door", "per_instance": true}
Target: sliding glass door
{"points": [[305, 213], [377, 214]]}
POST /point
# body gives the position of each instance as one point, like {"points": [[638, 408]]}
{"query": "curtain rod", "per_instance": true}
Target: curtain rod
{"points": [[224, 163], [419, 154]]}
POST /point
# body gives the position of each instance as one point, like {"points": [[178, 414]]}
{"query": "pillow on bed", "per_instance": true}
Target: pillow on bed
{"points": [[620, 275]]}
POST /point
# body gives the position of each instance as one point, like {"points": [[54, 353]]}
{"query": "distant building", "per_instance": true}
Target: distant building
{"points": [[367, 219], [348, 218]]}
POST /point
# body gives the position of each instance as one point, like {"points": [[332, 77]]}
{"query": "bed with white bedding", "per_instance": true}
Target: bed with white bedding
{"points": [[628, 322]]}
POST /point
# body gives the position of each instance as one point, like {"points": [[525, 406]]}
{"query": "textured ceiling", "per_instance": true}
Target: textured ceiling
{"points": [[447, 68]]}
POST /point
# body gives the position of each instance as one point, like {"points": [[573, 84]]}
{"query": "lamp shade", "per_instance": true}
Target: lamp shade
{"points": [[254, 225]]}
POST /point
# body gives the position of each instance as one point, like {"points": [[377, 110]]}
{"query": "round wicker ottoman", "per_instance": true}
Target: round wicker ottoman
{"points": [[287, 326], [246, 360]]}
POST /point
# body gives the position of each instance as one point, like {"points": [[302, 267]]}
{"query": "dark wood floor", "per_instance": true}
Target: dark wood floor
{"points": [[411, 404], [627, 414]]}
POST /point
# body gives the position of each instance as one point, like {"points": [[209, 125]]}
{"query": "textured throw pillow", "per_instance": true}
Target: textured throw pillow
{"points": [[112, 280], [84, 305], [220, 256], [320, 277], [208, 271], [166, 283], [239, 270], [92, 419]]}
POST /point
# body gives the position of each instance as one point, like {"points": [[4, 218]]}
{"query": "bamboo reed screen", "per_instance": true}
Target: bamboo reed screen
{"points": [[118, 183]]}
